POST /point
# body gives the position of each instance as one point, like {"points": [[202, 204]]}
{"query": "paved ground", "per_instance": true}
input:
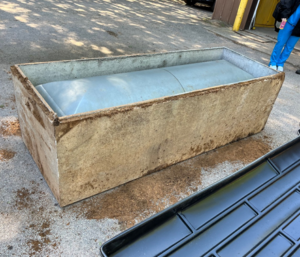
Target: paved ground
{"points": [[271, 33], [31, 222]]}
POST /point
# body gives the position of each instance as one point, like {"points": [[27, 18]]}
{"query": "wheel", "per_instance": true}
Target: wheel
{"points": [[189, 2], [212, 7]]}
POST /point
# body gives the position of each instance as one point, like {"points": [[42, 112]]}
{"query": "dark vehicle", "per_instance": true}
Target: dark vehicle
{"points": [[211, 3]]}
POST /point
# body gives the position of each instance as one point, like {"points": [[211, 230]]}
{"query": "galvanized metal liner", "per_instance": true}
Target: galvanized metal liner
{"points": [[89, 94], [41, 73]]}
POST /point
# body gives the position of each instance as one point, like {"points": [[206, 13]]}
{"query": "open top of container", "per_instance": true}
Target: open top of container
{"points": [[76, 88]]}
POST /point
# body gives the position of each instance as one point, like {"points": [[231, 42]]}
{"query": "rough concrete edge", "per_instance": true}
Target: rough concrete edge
{"points": [[281, 81], [19, 75], [109, 58]]}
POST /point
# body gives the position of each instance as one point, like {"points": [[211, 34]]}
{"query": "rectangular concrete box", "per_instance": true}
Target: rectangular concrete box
{"points": [[84, 154]]}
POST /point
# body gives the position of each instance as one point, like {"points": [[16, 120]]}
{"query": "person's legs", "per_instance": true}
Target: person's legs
{"points": [[282, 39], [290, 44]]}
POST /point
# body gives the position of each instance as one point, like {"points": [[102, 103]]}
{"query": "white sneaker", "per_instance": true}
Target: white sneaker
{"points": [[273, 67], [280, 68]]}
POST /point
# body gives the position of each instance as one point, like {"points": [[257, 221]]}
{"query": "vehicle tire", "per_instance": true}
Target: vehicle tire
{"points": [[189, 2], [212, 7]]}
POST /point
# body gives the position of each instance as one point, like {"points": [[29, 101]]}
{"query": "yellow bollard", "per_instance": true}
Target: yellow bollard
{"points": [[240, 15]]}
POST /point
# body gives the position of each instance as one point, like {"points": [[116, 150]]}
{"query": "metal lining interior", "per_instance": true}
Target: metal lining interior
{"points": [[79, 70], [89, 94]]}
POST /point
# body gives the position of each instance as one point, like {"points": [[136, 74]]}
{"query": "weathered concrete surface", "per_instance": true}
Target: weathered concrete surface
{"points": [[31, 223], [103, 152], [37, 131]]}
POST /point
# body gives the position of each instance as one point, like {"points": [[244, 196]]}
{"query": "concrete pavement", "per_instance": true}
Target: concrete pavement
{"points": [[31, 222]]}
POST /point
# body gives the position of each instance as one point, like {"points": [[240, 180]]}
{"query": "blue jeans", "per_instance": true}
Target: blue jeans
{"points": [[284, 40]]}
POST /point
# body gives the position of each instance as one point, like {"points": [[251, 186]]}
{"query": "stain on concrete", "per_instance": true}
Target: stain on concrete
{"points": [[10, 128], [112, 33], [6, 155], [41, 220], [245, 151], [23, 198]]}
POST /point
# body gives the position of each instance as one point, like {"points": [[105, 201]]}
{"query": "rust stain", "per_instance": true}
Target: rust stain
{"points": [[35, 111], [6, 155], [64, 129]]}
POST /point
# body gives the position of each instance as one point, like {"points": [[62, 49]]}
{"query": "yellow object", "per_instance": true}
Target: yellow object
{"points": [[240, 15], [264, 16]]}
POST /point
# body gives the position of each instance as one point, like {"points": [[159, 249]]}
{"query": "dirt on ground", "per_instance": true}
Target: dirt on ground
{"points": [[6, 155], [36, 246], [245, 151], [40, 222], [137, 200], [10, 128], [23, 199], [112, 33]]}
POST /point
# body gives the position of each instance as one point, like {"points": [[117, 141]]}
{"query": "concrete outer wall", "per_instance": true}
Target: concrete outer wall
{"points": [[37, 129], [99, 152]]}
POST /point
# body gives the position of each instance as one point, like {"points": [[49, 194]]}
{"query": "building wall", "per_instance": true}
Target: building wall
{"points": [[264, 17], [226, 10]]}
